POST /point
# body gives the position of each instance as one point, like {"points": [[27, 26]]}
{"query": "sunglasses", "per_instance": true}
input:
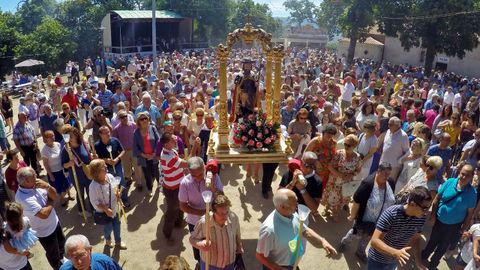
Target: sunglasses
{"points": [[65, 108], [141, 119], [200, 114], [303, 118], [177, 118], [123, 116]]}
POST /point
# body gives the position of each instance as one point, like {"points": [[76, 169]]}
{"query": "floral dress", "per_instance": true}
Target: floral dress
{"points": [[333, 191]]}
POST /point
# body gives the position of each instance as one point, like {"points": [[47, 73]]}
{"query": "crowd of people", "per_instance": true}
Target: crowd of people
{"points": [[391, 147]]}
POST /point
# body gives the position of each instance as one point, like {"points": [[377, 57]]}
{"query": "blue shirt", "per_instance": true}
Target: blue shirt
{"points": [[98, 262], [153, 111], [455, 210], [46, 122], [105, 98], [428, 105], [446, 155]]}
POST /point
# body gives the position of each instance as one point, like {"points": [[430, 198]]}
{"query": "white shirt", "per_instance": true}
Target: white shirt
{"points": [[100, 194], [448, 98], [431, 92], [53, 156], [348, 91], [457, 100], [394, 147], [33, 200], [9, 261]]}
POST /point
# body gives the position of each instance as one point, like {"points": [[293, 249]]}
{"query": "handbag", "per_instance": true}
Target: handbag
{"points": [[239, 264], [100, 218]]}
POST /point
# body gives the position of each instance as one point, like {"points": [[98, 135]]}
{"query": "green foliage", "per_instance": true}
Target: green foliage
{"points": [[9, 39], [300, 10], [33, 11], [327, 15], [452, 36], [254, 13], [51, 42]]}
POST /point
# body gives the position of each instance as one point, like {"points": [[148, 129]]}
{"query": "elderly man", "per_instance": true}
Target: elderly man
{"points": [[395, 145], [409, 124], [37, 197], [445, 152], [190, 193], [26, 141], [452, 212], [81, 257], [105, 98], [124, 133], [309, 192], [281, 227], [47, 119], [153, 111]]}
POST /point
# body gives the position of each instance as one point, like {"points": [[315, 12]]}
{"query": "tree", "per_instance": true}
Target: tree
{"points": [[8, 31], [451, 35], [254, 13], [354, 22], [51, 42], [327, 15], [300, 10], [32, 13]]}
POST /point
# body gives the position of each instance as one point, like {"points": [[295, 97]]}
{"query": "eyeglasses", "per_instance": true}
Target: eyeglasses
{"points": [[123, 116], [78, 256], [199, 115], [303, 118], [142, 119], [177, 118]]}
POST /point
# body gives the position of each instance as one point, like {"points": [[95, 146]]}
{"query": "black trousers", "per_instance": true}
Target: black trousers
{"points": [[30, 156], [286, 267], [268, 174], [173, 215], [54, 247], [196, 252], [150, 171], [440, 239]]}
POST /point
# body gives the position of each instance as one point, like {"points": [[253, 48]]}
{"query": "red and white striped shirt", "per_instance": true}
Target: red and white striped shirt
{"points": [[173, 174]]}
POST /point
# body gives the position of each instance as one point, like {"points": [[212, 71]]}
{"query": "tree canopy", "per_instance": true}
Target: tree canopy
{"points": [[300, 10]]}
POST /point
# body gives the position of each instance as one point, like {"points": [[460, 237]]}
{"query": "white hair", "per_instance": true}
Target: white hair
{"points": [[195, 163], [24, 174], [146, 95], [280, 199], [76, 239]]}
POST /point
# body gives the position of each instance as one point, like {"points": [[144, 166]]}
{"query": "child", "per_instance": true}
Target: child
{"points": [[22, 237]]}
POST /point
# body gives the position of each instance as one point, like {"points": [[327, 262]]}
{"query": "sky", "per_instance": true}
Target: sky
{"points": [[275, 5]]}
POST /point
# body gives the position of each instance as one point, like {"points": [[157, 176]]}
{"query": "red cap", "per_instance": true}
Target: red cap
{"points": [[212, 166], [294, 164]]}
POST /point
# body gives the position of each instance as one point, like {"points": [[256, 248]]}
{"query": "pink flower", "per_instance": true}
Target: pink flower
{"points": [[244, 138], [251, 143], [250, 117], [270, 124], [264, 116], [259, 145], [235, 131], [274, 137], [259, 135], [251, 132], [266, 131], [259, 123], [242, 127], [268, 141]]}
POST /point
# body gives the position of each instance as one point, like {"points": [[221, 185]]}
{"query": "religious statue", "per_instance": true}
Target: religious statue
{"points": [[245, 94]]}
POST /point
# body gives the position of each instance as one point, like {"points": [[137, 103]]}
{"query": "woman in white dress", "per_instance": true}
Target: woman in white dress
{"points": [[366, 148], [411, 163]]}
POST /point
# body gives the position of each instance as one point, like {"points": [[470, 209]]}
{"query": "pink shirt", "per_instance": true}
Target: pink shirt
{"points": [[430, 116]]}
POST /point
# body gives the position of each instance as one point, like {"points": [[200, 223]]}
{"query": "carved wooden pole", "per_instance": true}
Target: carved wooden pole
{"points": [[223, 131], [268, 85]]}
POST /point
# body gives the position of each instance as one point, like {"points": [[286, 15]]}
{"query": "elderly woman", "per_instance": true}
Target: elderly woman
{"points": [[145, 138], [223, 222], [10, 258], [52, 160], [299, 131], [425, 176], [195, 125], [373, 196], [410, 162], [76, 159], [69, 117], [104, 197], [345, 164], [367, 146], [98, 120]]}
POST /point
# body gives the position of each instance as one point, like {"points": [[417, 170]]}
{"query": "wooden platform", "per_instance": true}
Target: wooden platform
{"points": [[243, 156]]}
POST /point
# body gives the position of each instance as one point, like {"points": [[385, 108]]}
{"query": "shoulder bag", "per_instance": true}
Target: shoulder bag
{"points": [[368, 227], [101, 218]]}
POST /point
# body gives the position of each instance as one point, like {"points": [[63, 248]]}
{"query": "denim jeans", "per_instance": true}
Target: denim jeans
{"points": [[374, 265], [113, 226]]}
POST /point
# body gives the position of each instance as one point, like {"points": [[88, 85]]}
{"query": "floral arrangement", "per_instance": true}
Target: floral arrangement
{"points": [[255, 132]]}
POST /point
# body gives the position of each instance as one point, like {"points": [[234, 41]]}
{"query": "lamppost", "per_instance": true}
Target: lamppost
{"points": [[154, 36]]}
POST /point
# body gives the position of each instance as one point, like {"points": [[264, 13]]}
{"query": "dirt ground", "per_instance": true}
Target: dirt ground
{"points": [[147, 247]]}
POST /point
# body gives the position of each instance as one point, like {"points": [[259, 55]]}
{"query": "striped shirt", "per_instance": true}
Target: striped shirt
{"points": [[223, 238], [398, 228], [173, 174], [24, 133], [105, 98]]}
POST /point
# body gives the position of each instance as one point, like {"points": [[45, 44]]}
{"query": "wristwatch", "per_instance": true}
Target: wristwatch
{"points": [[302, 191]]}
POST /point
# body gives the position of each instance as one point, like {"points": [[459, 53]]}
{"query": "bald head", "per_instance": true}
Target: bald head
{"points": [[285, 202]]}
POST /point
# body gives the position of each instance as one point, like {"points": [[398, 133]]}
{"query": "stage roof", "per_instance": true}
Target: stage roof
{"points": [[147, 14]]}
